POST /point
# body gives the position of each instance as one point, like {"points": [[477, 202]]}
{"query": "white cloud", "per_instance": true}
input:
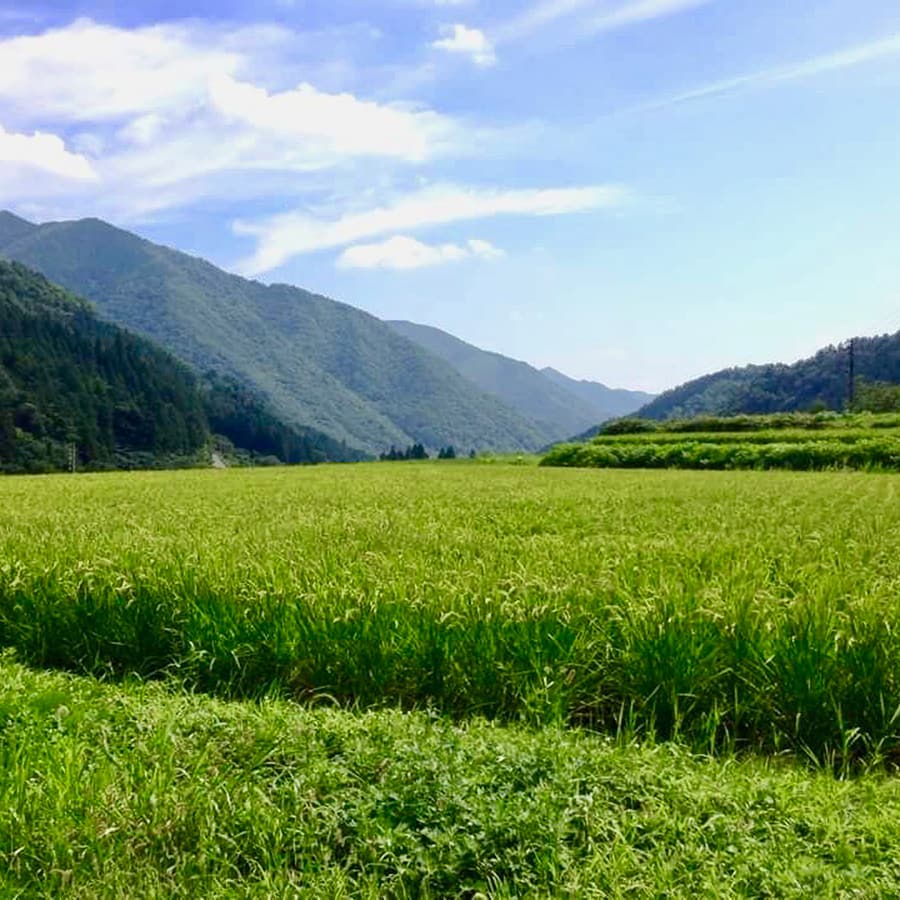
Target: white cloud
{"points": [[484, 249], [537, 16], [282, 237], [44, 152], [402, 252], [143, 130], [185, 79], [90, 72], [338, 123], [169, 112], [468, 42]]}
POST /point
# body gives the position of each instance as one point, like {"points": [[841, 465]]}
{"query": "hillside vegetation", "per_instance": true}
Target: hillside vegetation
{"points": [[820, 381], [67, 378], [321, 364]]}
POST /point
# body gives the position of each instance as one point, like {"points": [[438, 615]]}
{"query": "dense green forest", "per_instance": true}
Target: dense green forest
{"points": [[238, 414], [68, 379], [318, 363], [821, 381]]}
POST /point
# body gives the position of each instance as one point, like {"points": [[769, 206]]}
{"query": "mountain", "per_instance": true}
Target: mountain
{"points": [[320, 363], [12, 228], [820, 381], [68, 378], [553, 409], [560, 406], [606, 402]]}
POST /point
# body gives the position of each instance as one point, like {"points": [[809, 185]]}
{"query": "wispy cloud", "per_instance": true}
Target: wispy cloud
{"points": [[639, 11], [589, 16], [89, 72], [161, 114], [818, 65], [403, 252], [283, 237], [537, 16], [341, 124]]}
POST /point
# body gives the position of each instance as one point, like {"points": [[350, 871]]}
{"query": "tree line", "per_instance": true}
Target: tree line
{"points": [[418, 451]]}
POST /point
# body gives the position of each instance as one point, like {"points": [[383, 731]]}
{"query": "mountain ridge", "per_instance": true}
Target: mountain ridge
{"points": [[611, 402], [550, 402], [820, 380], [319, 362]]}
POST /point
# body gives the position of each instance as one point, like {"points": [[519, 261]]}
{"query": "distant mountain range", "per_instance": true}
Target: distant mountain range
{"points": [[559, 405], [822, 380], [320, 364], [309, 377], [607, 402]]}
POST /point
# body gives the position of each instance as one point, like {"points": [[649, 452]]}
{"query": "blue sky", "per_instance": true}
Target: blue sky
{"points": [[633, 191]]}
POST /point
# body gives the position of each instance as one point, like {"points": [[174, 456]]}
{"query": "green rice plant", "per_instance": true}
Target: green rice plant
{"points": [[780, 436]]}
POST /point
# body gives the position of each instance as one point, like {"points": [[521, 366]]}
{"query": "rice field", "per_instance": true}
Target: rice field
{"points": [[450, 679], [730, 610]]}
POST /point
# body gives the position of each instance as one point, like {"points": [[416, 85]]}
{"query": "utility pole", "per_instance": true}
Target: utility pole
{"points": [[72, 457], [851, 383]]}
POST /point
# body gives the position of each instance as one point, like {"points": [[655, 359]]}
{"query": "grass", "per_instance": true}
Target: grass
{"points": [[731, 611], [135, 791]]}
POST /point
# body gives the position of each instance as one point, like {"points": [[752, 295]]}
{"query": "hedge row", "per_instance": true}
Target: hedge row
{"points": [[867, 453]]}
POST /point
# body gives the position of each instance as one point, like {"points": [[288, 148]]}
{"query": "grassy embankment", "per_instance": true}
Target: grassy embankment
{"points": [[130, 791], [796, 441]]}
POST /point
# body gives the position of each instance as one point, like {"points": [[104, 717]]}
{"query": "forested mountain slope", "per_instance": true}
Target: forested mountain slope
{"points": [[821, 380], [606, 402], [67, 378], [321, 363], [558, 411]]}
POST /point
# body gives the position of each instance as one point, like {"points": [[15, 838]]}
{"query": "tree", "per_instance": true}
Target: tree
{"points": [[876, 396]]}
